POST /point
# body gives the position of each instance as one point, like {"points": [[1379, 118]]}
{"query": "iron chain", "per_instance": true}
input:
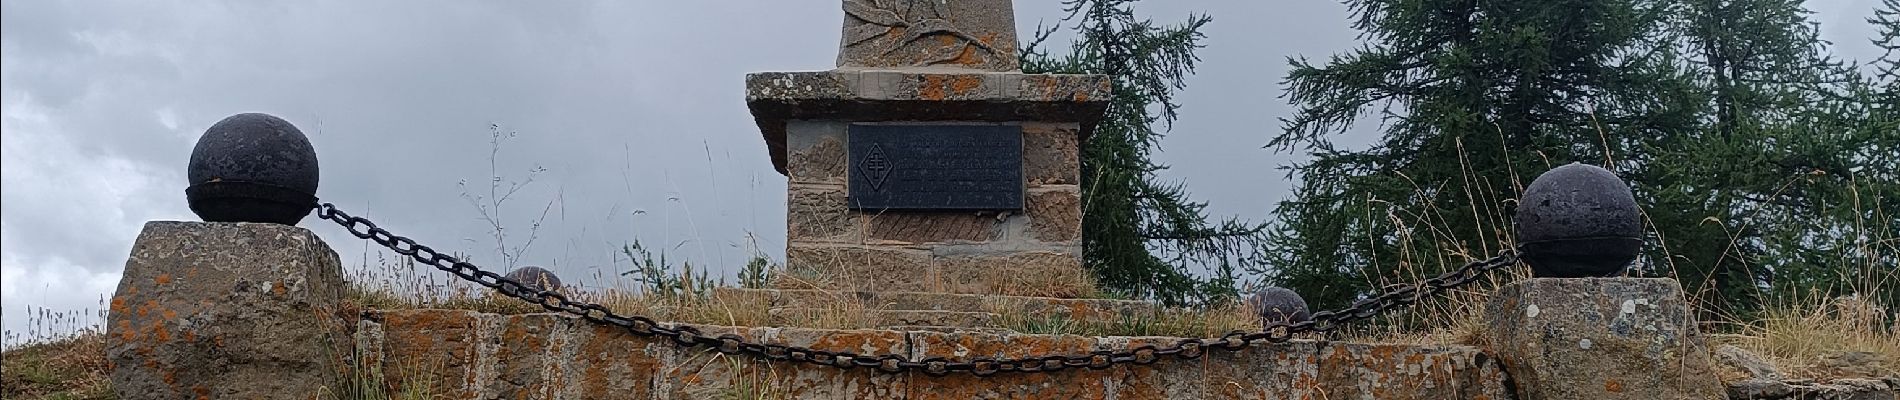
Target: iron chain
{"points": [[1391, 297]]}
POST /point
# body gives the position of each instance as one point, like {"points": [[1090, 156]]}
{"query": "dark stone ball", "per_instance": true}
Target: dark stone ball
{"points": [[1578, 221], [252, 168], [535, 278], [1277, 305]]}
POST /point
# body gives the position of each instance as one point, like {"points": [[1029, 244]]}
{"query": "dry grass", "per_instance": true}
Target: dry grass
{"points": [[1807, 339], [1020, 316], [73, 368]]}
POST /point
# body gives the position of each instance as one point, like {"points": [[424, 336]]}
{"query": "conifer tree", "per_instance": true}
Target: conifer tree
{"points": [[1472, 99], [1142, 237]]}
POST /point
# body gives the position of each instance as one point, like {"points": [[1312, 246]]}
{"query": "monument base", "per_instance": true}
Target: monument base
{"points": [[1600, 338]]}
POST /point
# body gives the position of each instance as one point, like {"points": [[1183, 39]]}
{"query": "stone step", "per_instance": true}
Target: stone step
{"points": [[890, 319], [925, 301]]}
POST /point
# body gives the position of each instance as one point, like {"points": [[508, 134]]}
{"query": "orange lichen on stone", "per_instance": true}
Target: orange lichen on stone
{"points": [[159, 332], [163, 279], [931, 88], [126, 332], [277, 288], [118, 304], [1612, 386], [964, 84], [967, 56]]}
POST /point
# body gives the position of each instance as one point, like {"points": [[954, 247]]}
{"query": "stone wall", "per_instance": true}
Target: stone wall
{"points": [[467, 355], [1035, 252]]}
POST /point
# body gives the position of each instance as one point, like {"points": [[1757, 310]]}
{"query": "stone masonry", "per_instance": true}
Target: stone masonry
{"points": [[226, 310], [939, 63], [461, 354], [1600, 338]]}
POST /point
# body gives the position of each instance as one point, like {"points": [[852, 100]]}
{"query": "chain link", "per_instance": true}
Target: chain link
{"points": [[1390, 297]]}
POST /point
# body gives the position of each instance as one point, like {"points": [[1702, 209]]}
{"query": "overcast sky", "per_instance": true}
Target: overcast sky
{"points": [[635, 108]]}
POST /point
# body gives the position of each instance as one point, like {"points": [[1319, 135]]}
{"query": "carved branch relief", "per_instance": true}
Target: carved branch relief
{"points": [[893, 25]]}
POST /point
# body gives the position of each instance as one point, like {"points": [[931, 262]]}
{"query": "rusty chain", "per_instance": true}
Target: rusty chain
{"points": [[1390, 297]]}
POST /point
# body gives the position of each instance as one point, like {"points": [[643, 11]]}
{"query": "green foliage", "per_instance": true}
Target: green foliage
{"points": [[1761, 163], [1477, 98], [1142, 237], [660, 278], [757, 273]]}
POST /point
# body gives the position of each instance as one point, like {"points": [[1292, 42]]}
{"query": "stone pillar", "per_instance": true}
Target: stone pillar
{"points": [[924, 65], [1600, 338], [227, 310]]}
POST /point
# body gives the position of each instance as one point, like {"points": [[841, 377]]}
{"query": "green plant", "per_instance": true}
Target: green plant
{"points": [[659, 277]]}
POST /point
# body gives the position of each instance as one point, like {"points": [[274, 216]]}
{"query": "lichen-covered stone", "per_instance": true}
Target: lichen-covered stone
{"points": [[816, 157], [1278, 305], [777, 99], [226, 310], [1052, 153], [1040, 307], [1839, 389], [939, 227], [948, 269], [975, 34], [1738, 364], [1856, 364], [1055, 213], [1316, 370], [879, 318], [1597, 338], [818, 214], [535, 279], [468, 355]]}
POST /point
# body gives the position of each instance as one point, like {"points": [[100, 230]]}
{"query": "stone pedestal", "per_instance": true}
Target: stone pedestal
{"points": [[1600, 338], [930, 63], [227, 310]]}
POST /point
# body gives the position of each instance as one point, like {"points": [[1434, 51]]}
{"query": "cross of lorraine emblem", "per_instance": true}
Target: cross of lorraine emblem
{"points": [[876, 167]]}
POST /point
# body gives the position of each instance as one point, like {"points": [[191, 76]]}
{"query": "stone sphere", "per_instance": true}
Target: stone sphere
{"points": [[1277, 305], [535, 278], [252, 168], [1578, 221]]}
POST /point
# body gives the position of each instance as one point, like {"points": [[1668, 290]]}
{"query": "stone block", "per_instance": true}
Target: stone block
{"points": [[227, 310], [856, 267], [817, 213], [700, 372], [975, 34], [932, 227], [1075, 309], [1070, 88], [1736, 364], [1079, 383], [1055, 213], [936, 86], [1019, 273], [1039, 273], [885, 318], [780, 99], [1307, 369], [1594, 338], [815, 152], [1052, 153], [798, 85]]}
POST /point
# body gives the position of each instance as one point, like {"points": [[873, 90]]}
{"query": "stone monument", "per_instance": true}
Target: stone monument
{"points": [[926, 161]]}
